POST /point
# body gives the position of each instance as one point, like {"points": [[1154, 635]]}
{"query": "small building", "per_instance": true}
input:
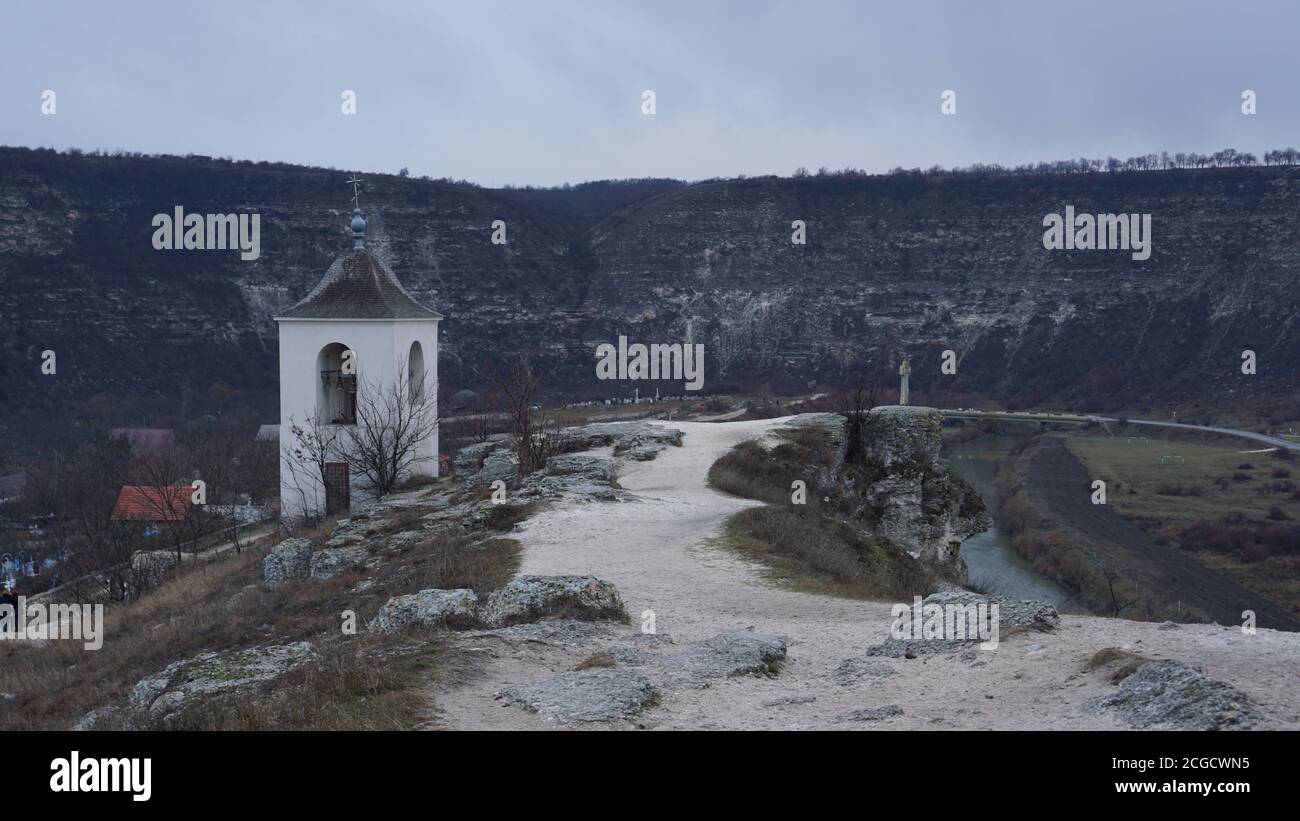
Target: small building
{"points": [[358, 330], [152, 505]]}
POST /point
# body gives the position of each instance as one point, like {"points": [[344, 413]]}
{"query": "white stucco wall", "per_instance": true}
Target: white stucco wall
{"points": [[380, 346]]}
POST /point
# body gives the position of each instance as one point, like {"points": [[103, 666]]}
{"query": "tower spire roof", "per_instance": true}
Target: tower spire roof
{"points": [[358, 221], [359, 286]]}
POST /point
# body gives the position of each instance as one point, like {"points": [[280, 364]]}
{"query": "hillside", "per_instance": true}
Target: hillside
{"points": [[602, 596], [893, 263]]}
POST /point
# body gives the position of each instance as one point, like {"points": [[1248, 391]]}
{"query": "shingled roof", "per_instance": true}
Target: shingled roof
{"points": [[359, 286], [152, 503]]}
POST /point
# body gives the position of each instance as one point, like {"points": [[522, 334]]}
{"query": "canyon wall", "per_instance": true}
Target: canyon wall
{"points": [[892, 264]]}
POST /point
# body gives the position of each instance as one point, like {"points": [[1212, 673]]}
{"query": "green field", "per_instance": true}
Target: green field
{"points": [[1179, 482], [1166, 486]]}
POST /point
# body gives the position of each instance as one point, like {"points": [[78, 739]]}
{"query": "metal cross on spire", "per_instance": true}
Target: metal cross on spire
{"points": [[355, 182]]}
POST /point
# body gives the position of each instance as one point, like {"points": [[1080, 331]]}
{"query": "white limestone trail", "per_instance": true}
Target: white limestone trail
{"points": [[658, 553]]}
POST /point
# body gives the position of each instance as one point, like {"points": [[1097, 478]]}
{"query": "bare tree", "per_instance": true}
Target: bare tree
{"points": [[96, 554], [393, 422], [167, 496], [855, 406], [303, 460], [1119, 600], [226, 464], [521, 396]]}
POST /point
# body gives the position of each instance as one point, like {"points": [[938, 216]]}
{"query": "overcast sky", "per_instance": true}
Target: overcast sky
{"points": [[545, 92]]}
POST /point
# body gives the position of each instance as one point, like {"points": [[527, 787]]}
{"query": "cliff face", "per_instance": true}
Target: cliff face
{"points": [[910, 492], [888, 477], [891, 264], [956, 263]]}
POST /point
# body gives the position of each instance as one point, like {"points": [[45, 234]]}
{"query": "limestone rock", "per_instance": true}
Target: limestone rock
{"points": [[561, 632], [470, 458], [596, 694], [167, 693], [893, 480], [853, 670], [874, 713], [1172, 695], [1034, 615], [531, 598], [597, 468], [288, 561], [427, 608], [332, 561], [699, 664]]}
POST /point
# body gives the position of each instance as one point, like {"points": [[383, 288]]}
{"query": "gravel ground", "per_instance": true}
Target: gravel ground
{"points": [[657, 552]]}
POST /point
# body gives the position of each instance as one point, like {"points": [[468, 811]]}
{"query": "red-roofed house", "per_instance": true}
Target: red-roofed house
{"points": [[148, 503]]}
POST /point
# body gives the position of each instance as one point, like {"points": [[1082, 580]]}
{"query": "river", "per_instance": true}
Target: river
{"points": [[992, 562]]}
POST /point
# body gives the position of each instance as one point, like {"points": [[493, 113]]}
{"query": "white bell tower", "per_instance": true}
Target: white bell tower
{"points": [[359, 329]]}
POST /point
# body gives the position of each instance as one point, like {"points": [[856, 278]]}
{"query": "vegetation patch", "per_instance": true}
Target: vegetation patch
{"points": [[1120, 663], [359, 682], [1235, 516], [753, 471], [824, 555]]}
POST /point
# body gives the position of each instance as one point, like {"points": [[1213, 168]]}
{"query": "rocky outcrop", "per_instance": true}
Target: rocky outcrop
{"points": [[149, 566], [288, 561], [1172, 695], [568, 470], [702, 663], [429, 609], [916, 499], [888, 476], [599, 694], [1012, 613], [333, 561], [531, 598], [621, 436], [169, 692]]}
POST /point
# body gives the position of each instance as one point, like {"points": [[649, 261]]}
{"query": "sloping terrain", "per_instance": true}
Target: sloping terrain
{"points": [[893, 264], [1059, 480], [657, 551]]}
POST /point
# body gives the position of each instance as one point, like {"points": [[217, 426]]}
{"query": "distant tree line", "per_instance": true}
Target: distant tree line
{"points": [[1227, 158]]}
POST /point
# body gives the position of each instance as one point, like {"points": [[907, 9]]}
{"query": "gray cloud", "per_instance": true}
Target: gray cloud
{"points": [[544, 93]]}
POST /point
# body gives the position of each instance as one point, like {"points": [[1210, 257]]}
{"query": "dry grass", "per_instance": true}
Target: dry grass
{"points": [[1120, 663], [504, 517], [753, 471], [597, 660], [221, 605], [447, 563], [355, 686], [806, 545], [817, 553]]}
